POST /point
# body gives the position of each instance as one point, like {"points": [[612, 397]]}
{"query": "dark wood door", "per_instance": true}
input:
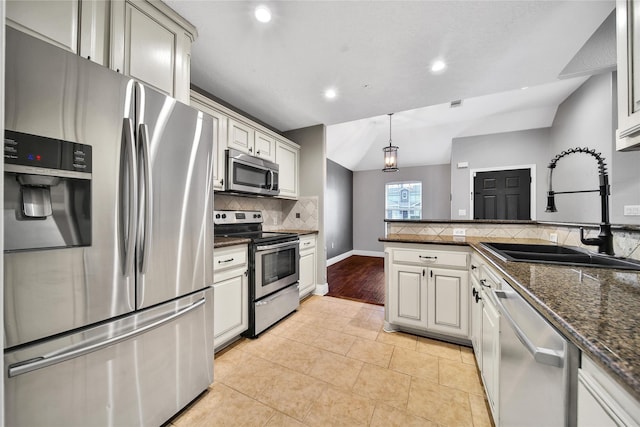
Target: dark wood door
{"points": [[502, 194]]}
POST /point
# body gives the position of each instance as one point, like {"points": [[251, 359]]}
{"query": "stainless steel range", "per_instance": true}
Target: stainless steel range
{"points": [[273, 265]]}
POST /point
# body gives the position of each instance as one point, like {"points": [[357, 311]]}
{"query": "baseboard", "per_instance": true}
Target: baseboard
{"points": [[339, 258], [369, 253], [321, 289]]}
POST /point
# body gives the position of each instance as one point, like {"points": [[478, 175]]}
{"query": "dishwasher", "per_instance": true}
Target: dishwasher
{"points": [[538, 366]]}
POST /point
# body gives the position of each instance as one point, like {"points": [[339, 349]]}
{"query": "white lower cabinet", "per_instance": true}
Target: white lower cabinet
{"points": [[448, 301], [307, 279], [428, 289], [602, 402], [490, 347], [407, 296], [230, 294]]}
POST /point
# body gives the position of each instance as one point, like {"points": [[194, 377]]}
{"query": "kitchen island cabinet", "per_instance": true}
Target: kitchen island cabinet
{"points": [[428, 290], [601, 402], [596, 309]]}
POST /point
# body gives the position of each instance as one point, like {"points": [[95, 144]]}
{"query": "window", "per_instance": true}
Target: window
{"points": [[403, 200]]}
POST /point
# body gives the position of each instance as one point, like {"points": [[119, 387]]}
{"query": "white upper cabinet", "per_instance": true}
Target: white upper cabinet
{"points": [[235, 131], [241, 136], [55, 22], [246, 138], [152, 43], [265, 146], [287, 157], [628, 48], [139, 38], [219, 136]]}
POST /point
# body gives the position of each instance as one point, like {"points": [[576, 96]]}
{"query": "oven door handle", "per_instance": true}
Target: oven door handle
{"points": [[277, 245]]}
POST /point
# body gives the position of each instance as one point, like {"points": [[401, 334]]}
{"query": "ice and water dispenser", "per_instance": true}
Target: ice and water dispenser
{"points": [[47, 193]]}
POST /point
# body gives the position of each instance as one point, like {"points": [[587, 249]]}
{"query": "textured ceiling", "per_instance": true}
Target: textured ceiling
{"points": [[377, 54]]}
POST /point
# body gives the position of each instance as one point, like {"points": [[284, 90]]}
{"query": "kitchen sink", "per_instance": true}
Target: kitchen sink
{"points": [[563, 255]]}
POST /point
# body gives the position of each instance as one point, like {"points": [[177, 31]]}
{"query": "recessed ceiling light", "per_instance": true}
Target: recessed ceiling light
{"points": [[524, 87], [438, 66], [262, 13], [330, 93]]}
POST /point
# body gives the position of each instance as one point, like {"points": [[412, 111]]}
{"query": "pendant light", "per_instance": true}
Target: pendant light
{"points": [[390, 153]]}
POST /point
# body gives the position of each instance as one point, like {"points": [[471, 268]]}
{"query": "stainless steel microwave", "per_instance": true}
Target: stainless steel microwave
{"points": [[251, 175]]}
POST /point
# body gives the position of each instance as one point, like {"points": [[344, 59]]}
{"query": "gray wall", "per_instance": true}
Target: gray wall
{"points": [[497, 151], [587, 118], [584, 119], [339, 210], [368, 200], [313, 175]]}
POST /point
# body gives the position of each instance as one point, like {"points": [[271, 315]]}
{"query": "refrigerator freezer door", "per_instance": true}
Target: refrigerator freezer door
{"points": [[139, 370], [175, 250], [60, 95]]}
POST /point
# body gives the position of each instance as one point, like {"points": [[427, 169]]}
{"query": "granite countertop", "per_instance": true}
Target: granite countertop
{"points": [[223, 242], [597, 309], [298, 232]]}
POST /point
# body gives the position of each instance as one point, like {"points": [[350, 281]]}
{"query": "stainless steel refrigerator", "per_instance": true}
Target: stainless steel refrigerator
{"points": [[108, 244]]}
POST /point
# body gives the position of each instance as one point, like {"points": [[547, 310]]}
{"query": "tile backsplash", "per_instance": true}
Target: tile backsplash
{"points": [[277, 213], [625, 243]]}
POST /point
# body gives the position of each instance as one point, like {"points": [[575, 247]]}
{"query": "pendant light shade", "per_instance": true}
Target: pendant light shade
{"points": [[390, 153]]}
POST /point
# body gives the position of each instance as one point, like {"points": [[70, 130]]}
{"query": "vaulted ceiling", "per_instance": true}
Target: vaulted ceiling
{"points": [[377, 55]]}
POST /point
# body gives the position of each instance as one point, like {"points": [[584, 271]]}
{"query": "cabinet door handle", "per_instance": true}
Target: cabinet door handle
{"points": [[423, 272], [250, 149], [483, 282], [431, 273], [258, 152], [473, 267], [225, 260]]}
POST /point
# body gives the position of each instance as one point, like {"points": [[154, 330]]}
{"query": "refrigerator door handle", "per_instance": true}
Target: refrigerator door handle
{"points": [[127, 215], [146, 189], [48, 360], [546, 356]]}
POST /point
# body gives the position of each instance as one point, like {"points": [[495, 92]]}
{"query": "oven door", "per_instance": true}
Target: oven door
{"points": [[276, 267]]}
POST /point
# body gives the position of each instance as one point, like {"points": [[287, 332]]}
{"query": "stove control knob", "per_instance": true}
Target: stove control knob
{"points": [[224, 216], [217, 216], [257, 216]]}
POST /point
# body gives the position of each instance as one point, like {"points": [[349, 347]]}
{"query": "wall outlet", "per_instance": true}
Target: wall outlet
{"points": [[462, 212], [632, 210], [459, 232], [297, 214], [553, 237]]}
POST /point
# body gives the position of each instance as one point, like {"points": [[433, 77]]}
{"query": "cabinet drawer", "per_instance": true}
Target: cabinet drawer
{"points": [[232, 256], [307, 242], [426, 258]]}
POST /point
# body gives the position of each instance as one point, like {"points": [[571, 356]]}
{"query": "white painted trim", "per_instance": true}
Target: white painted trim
{"points": [[339, 258], [504, 168], [321, 289], [369, 253]]}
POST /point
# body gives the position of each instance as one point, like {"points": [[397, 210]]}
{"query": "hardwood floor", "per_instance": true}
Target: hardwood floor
{"points": [[358, 278]]}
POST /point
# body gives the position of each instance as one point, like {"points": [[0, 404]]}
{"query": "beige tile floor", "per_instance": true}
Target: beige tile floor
{"points": [[330, 363]]}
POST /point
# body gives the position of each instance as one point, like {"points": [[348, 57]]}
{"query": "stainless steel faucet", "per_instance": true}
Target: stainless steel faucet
{"points": [[604, 241]]}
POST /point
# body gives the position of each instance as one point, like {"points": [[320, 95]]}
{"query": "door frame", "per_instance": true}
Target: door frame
{"points": [[531, 167]]}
